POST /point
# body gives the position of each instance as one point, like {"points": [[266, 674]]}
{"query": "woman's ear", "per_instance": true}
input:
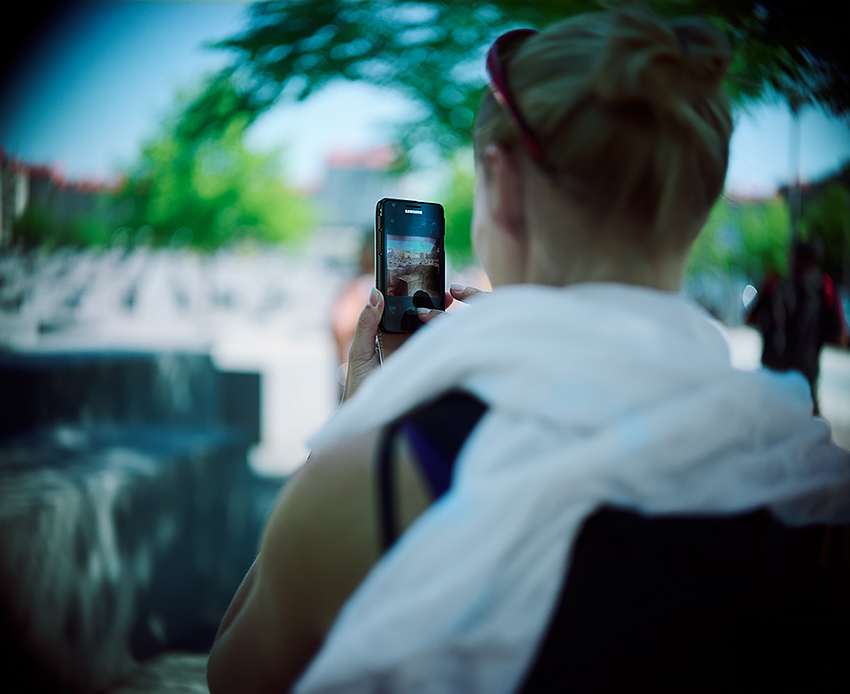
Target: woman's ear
{"points": [[507, 191]]}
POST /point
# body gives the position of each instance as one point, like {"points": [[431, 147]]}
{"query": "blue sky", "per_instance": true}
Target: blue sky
{"points": [[95, 87], [412, 244]]}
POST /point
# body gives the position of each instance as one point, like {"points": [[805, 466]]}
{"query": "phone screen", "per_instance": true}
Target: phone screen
{"points": [[410, 260]]}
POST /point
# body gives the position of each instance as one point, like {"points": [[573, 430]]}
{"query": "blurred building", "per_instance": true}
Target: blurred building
{"points": [[355, 181], [25, 187], [13, 195]]}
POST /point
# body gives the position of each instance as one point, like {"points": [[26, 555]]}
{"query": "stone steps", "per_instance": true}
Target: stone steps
{"points": [[127, 513]]}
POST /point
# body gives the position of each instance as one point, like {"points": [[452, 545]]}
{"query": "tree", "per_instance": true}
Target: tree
{"points": [[40, 227], [766, 236], [433, 52], [784, 48], [458, 207], [429, 51], [196, 183], [743, 238]]}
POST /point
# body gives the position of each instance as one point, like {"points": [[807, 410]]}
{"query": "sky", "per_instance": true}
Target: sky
{"points": [[92, 88], [411, 244]]}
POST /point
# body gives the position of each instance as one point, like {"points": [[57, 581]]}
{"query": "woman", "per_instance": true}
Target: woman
{"points": [[601, 146]]}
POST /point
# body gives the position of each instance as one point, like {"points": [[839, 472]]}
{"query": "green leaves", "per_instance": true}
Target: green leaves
{"points": [[457, 198], [745, 238], [433, 51], [197, 184], [430, 51], [197, 175]]}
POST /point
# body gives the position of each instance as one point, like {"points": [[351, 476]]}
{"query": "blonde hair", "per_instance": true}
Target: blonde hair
{"points": [[632, 112]]}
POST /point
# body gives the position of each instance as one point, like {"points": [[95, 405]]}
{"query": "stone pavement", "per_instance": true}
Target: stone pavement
{"points": [[170, 673], [834, 392], [250, 311]]}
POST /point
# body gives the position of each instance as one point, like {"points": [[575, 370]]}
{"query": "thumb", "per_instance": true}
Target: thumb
{"points": [[362, 348], [363, 353]]}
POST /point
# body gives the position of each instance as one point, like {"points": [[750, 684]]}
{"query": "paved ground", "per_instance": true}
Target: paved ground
{"points": [[169, 673]]}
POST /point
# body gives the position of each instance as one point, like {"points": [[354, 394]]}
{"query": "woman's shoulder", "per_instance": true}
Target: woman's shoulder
{"points": [[316, 547], [321, 540], [324, 522], [323, 535]]}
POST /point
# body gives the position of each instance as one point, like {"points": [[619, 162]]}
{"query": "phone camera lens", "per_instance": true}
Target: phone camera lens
{"points": [[393, 204]]}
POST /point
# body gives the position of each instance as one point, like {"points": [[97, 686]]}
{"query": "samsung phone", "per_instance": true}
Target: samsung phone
{"points": [[410, 265]]}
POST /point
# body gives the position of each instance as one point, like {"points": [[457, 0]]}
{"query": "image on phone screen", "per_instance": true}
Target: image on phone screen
{"points": [[413, 267]]}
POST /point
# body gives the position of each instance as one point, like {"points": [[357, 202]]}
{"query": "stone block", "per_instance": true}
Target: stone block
{"points": [[240, 402], [117, 541], [48, 389]]}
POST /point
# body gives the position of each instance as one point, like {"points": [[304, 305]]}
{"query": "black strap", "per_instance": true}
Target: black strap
{"points": [[446, 423], [386, 485]]}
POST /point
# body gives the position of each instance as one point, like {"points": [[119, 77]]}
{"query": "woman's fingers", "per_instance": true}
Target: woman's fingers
{"points": [[462, 292], [428, 314], [363, 358], [457, 292]]}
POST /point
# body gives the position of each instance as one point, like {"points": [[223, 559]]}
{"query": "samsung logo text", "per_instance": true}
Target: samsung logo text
{"points": [[413, 211]]}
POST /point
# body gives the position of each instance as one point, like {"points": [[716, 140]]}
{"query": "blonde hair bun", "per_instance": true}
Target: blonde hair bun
{"points": [[656, 62], [631, 111]]}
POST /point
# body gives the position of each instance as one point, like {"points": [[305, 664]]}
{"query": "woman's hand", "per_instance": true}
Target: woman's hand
{"points": [[363, 355]]}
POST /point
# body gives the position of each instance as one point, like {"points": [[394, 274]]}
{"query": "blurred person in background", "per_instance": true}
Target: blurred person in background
{"points": [[349, 303], [798, 315], [426, 543]]}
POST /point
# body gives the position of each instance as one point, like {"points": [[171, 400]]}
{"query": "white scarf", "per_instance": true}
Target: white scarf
{"points": [[597, 393]]}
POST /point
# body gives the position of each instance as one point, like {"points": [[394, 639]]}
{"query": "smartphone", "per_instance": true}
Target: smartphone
{"points": [[410, 264]]}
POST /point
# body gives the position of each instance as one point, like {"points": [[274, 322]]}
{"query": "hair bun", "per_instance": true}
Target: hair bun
{"points": [[652, 61]]}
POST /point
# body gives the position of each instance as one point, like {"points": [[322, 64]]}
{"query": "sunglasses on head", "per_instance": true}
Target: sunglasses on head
{"points": [[500, 51]]}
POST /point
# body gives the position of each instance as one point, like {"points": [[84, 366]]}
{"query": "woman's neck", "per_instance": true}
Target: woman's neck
{"points": [[625, 266]]}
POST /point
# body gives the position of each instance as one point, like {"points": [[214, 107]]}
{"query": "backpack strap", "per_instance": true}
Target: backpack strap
{"points": [[437, 432]]}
